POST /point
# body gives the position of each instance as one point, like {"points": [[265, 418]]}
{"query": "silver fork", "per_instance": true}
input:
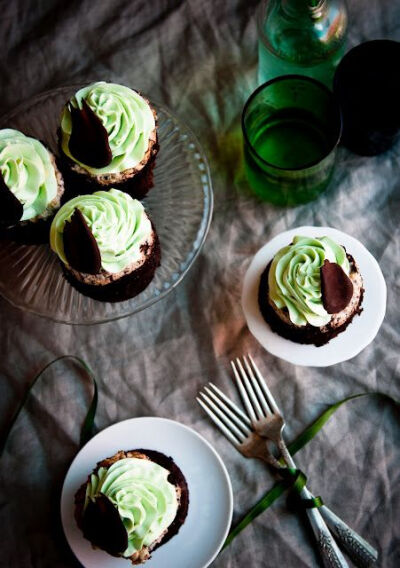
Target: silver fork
{"points": [[268, 422], [237, 427]]}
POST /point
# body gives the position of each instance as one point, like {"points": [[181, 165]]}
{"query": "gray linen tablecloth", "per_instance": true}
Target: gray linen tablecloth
{"points": [[200, 59]]}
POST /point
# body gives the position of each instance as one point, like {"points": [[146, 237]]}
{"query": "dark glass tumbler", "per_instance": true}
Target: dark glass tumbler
{"points": [[367, 86]]}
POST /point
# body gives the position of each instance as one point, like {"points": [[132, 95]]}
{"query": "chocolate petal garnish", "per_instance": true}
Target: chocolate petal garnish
{"points": [[102, 525], [88, 142], [11, 209], [336, 287], [80, 246]]}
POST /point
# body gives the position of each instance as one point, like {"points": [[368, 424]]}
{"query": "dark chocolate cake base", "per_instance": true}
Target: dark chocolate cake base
{"points": [[32, 233], [136, 186], [124, 288], [27, 233], [175, 477], [36, 232], [307, 334]]}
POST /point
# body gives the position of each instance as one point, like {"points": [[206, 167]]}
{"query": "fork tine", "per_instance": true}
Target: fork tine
{"points": [[243, 394], [264, 387], [260, 395], [231, 404], [250, 390], [222, 415], [219, 424], [225, 408]]}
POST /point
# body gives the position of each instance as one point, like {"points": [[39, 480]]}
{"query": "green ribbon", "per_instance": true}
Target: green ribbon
{"points": [[296, 477], [313, 503], [296, 480], [88, 423]]}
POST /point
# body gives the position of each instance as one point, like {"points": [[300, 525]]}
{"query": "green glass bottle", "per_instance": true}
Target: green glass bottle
{"points": [[305, 37]]}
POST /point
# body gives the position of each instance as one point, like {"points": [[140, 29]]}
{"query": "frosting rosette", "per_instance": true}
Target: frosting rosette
{"points": [[146, 501], [118, 223], [28, 171], [127, 118], [294, 278]]}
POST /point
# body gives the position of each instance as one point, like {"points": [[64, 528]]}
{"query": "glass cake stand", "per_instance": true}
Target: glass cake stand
{"points": [[180, 204]]}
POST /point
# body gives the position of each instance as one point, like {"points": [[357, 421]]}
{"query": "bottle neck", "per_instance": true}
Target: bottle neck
{"points": [[304, 8]]}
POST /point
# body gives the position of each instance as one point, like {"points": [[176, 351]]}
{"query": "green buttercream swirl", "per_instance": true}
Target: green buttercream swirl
{"points": [[125, 115], [294, 278], [27, 171], [146, 501], [118, 222]]}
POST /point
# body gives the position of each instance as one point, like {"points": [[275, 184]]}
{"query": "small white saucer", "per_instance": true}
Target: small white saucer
{"points": [[346, 345], [210, 493]]}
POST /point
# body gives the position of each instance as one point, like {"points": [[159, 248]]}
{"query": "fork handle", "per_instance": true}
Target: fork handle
{"points": [[329, 550], [360, 551]]}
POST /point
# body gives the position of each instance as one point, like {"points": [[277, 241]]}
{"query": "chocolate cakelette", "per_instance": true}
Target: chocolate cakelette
{"points": [[107, 245], [132, 503], [108, 138], [311, 290], [31, 187]]}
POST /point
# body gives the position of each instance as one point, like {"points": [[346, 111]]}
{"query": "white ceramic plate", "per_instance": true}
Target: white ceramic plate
{"points": [[346, 345], [210, 493]]}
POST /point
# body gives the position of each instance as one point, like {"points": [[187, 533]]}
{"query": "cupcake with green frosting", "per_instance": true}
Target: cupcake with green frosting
{"points": [[31, 187], [132, 503], [311, 290], [108, 138], [107, 245]]}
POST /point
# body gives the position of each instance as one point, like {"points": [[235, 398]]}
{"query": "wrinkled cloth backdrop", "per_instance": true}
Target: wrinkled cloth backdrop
{"points": [[199, 58]]}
